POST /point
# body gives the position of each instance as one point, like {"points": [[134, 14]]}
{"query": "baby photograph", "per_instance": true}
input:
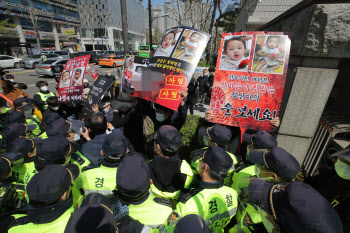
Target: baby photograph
{"points": [[235, 53], [65, 80], [77, 79], [166, 46], [269, 54], [191, 46]]}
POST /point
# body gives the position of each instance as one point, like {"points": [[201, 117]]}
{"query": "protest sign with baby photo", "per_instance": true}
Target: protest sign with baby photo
{"points": [[249, 79]]}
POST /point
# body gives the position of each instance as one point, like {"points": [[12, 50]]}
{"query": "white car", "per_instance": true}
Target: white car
{"points": [[9, 61]]}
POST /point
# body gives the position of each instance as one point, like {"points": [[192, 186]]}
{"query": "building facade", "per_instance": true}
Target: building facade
{"points": [[255, 13], [58, 22], [101, 25]]}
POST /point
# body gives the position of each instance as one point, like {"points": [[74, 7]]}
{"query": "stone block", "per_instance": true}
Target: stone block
{"points": [[306, 102], [296, 146]]}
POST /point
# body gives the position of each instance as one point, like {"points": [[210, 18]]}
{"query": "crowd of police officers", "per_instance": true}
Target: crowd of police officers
{"points": [[101, 177]]}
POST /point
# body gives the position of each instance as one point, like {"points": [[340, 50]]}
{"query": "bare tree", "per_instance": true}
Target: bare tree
{"points": [[200, 13], [217, 25], [33, 14], [180, 10]]}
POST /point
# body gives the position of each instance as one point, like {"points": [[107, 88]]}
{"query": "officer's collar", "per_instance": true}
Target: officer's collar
{"points": [[209, 185], [106, 163], [49, 213]]}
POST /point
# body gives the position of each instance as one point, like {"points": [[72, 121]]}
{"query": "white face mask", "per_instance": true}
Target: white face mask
{"points": [[160, 117], [11, 80], [342, 169], [205, 74], [44, 88], [55, 108]]}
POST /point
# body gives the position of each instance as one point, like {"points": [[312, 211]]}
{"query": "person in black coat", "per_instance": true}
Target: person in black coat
{"points": [[192, 94]]}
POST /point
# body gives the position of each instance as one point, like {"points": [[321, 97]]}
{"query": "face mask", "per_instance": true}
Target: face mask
{"points": [[11, 80], [160, 117], [109, 74], [44, 88], [105, 110], [205, 74], [267, 224], [342, 169], [28, 112], [55, 108]]}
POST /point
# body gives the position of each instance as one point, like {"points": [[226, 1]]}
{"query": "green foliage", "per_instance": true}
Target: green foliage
{"points": [[189, 134], [228, 22], [5, 25], [203, 64]]}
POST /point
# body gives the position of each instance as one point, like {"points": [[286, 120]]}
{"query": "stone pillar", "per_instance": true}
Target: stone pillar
{"points": [[22, 38], [57, 41], [308, 97]]}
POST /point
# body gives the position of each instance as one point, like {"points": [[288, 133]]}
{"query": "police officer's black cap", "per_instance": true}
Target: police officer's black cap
{"points": [[23, 104], [96, 198], [169, 138], [260, 140], [47, 186], [93, 217], [115, 146], [218, 134], [50, 117], [21, 145], [218, 160], [191, 223], [133, 177], [277, 160], [52, 148], [58, 127], [15, 117], [5, 169], [14, 130]]}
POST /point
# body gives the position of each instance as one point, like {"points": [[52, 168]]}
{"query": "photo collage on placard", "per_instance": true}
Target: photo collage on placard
{"points": [[184, 44], [269, 54], [236, 53], [65, 80]]}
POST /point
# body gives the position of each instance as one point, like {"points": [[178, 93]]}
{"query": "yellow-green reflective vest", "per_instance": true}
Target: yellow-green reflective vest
{"points": [[150, 212], [99, 180], [77, 195], [244, 213], [44, 97], [215, 206], [245, 171], [19, 171], [228, 179], [36, 131], [185, 169], [57, 226]]}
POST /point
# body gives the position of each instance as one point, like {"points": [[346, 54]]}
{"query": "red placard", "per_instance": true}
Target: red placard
{"points": [[161, 78], [71, 84], [92, 72], [249, 79]]}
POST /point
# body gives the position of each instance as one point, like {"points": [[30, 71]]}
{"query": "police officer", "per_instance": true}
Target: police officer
{"points": [[53, 150], [42, 96], [209, 198], [95, 214], [27, 148], [291, 207], [48, 119], [217, 135], [15, 130], [134, 198], [101, 178], [50, 201], [275, 164], [19, 117], [26, 106], [169, 173]]}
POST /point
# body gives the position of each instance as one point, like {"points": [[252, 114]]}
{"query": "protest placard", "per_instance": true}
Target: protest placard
{"points": [[249, 79], [99, 88], [70, 86], [92, 72], [57, 70], [161, 78]]}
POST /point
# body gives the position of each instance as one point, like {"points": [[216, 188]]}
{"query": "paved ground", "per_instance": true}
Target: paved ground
{"points": [[29, 77]]}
